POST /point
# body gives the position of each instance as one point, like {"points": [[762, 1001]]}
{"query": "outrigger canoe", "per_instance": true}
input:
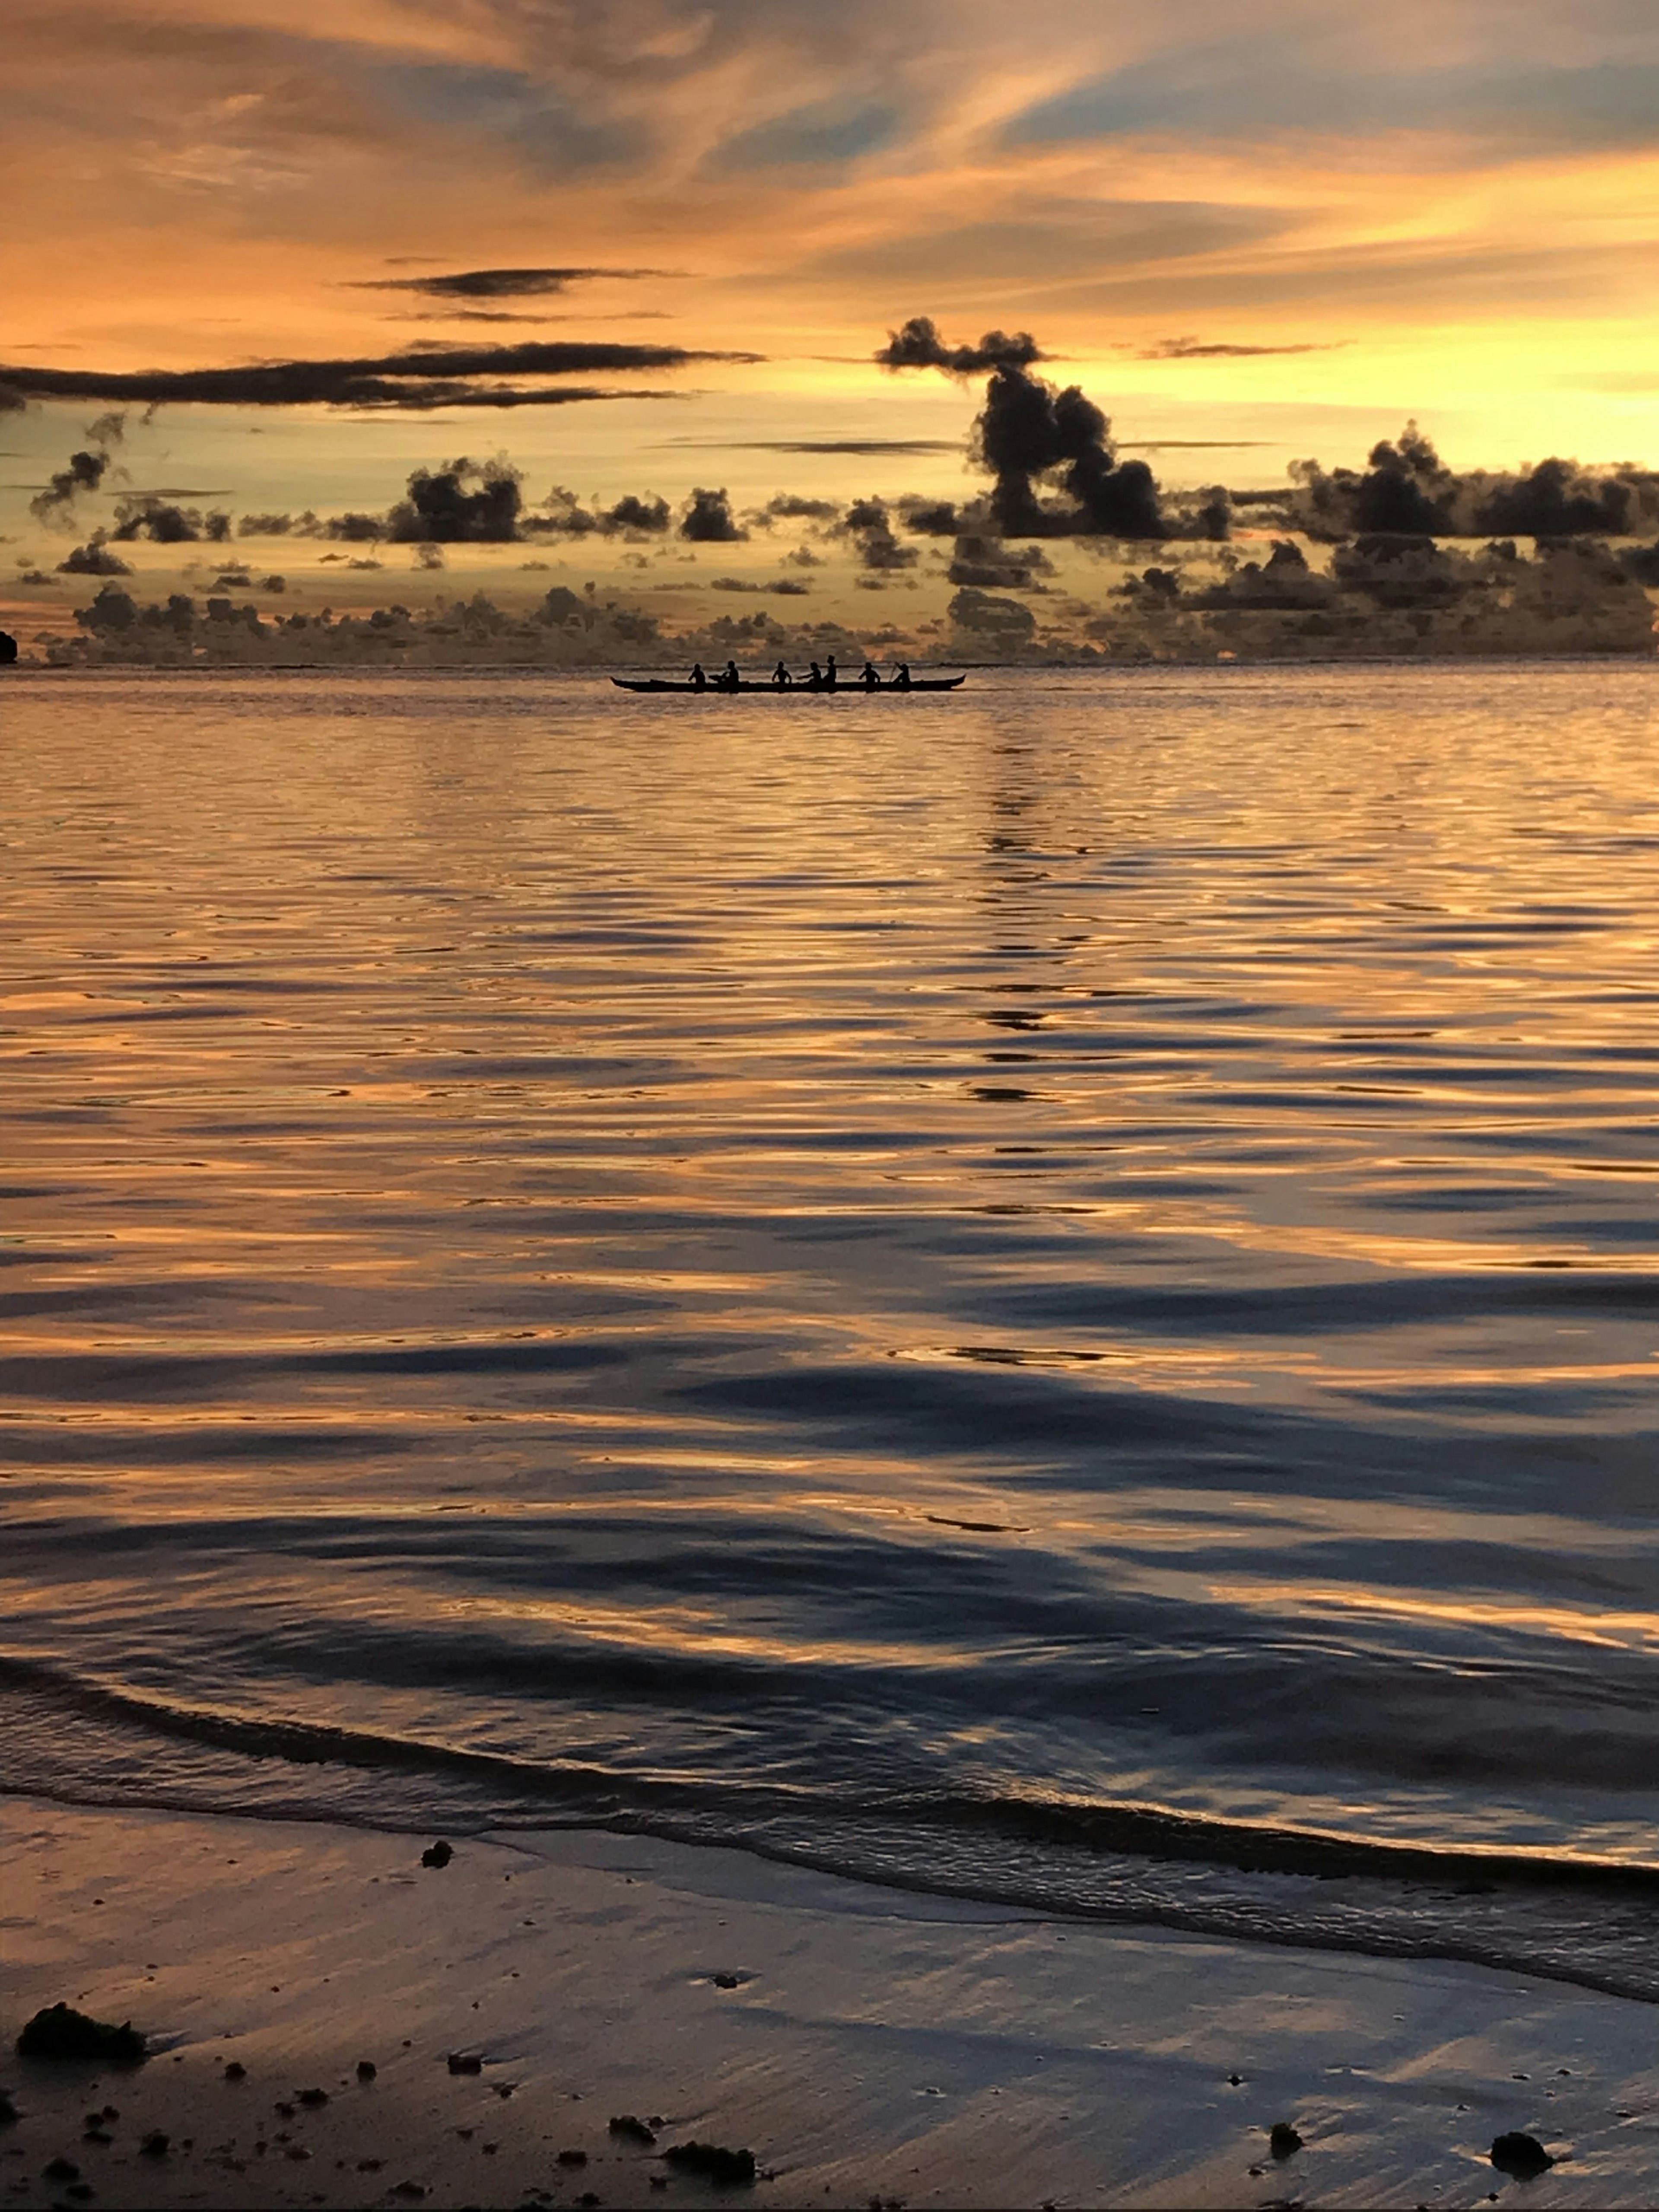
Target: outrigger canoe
{"points": [[787, 690]]}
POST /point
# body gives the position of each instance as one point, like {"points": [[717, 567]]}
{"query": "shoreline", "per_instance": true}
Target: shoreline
{"points": [[864, 2042]]}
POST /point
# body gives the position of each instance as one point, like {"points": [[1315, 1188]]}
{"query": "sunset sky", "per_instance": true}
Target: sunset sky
{"points": [[1281, 226]]}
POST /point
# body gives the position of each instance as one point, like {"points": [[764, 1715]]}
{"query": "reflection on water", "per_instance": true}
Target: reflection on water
{"points": [[881, 1278]]}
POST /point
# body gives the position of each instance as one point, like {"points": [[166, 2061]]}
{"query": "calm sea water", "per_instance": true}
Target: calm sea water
{"points": [[1052, 1292]]}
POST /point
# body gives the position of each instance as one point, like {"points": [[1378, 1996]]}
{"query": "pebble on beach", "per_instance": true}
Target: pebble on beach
{"points": [[437, 1855], [1283, 2141]]}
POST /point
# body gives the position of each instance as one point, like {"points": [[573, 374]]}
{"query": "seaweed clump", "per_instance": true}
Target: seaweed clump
{"points": [[59, 2032]]}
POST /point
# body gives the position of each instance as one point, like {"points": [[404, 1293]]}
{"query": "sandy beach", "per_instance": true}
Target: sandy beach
{"points": [[866, 2044]]}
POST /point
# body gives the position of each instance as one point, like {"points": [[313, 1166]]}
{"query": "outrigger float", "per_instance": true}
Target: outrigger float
{"points": [[802, 688]]}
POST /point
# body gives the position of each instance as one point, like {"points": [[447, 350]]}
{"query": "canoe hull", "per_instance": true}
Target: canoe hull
{"points": [[789, 690]]}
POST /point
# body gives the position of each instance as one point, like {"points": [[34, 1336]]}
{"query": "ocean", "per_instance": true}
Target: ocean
{"points": [[1049, 1292]]}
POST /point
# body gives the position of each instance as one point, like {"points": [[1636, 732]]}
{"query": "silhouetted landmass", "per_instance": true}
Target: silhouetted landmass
{"points": [[7, 649]]}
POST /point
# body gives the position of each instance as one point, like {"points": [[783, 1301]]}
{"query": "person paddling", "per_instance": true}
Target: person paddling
{"points": [[902, 676], [699, 681], [829, 674], [815, 681], [730, 680], [781, 678], [871, 679]]}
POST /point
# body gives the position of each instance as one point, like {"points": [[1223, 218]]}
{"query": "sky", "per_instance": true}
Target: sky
{"points": [[1251, 232]]}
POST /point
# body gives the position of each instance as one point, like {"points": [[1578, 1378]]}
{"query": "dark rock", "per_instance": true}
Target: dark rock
{"points": [[8, 2110], [437, 1855], [61, 2169], [7, 649], [712, 2160], [156, 2144], [587, 2197], [465, 2061], [367, 2069], [236, 2071], [370, 2164], [98, 2135], [60, 2031], [409, 2188], [1283, 2141], [727, 1981], [312, 2098], [1521, 2154], [632, 2129], [571, 2158], [285, 2109]]}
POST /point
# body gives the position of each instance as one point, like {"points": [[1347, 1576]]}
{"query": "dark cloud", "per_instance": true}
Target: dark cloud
{"points": [[510, 315], [1406, 490], [708, 520], [791, 506], [85, 471], [423, 376], [1556, 499], [1195, 350], [918, 345], [166, 523], [633, 516], [931, 518], [784, 588], [496, 284], [1029, 434], [94, 559], [460, 502], [988, 564], [870, 526], [859, 448]]}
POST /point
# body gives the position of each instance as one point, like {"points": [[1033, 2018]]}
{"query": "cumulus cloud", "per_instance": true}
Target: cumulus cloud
{"points": [[633, 516], [419, 377], [792, 507], [918, 345], [459, 502], [94, 559], [84, 472], [1406, 490], [147, 515], [1033, 438], [708, 520], [870, 526]]}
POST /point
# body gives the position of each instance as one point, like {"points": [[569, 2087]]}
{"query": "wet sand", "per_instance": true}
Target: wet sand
{"points": [[869, 2042]]}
